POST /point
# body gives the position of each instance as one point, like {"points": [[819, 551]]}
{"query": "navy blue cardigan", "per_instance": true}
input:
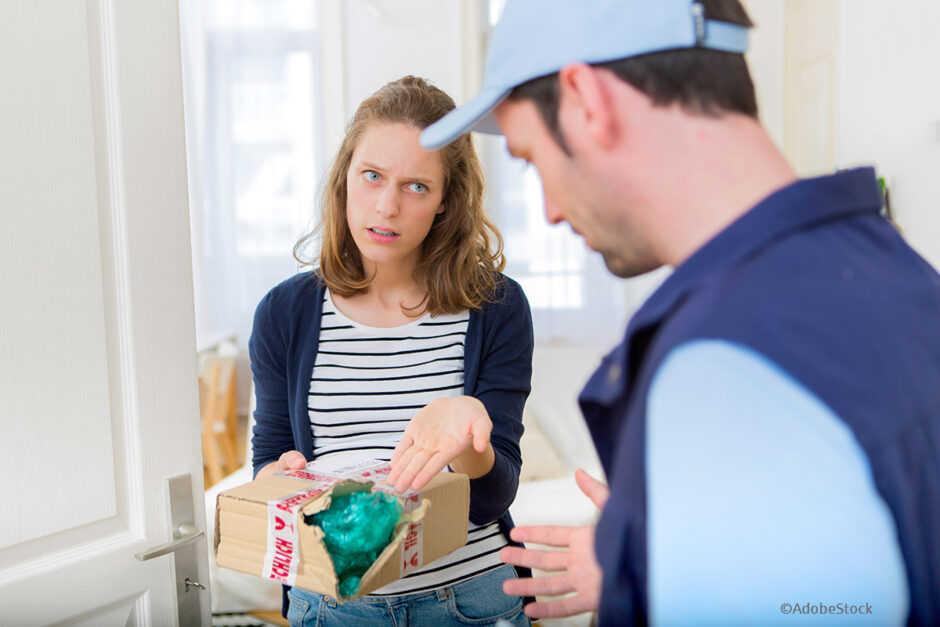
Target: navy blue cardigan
{"points": [[497, 371]]}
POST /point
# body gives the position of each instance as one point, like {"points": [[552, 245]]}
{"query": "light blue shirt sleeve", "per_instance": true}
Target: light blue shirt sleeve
{"points": [[761, 503]]}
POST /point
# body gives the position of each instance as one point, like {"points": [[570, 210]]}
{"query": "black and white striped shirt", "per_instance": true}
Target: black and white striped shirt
{"points": [[366, 385]]}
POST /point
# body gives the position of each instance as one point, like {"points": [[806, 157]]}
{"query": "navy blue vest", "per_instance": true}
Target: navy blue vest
{"points": [[814, 279]]}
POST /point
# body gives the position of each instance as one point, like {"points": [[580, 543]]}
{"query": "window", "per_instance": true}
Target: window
{"points": [[253, 133], [574, 299]]}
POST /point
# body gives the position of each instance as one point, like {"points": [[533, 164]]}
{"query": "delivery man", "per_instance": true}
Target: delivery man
{"points": [[770, 424]]}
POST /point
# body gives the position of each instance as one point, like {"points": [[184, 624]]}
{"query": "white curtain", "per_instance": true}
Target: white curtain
{"points": [[575, 301], [253, 127], [254, 116], [579, 312]]}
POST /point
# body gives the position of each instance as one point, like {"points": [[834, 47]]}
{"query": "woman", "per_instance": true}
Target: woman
{"points": [[404, 344]]}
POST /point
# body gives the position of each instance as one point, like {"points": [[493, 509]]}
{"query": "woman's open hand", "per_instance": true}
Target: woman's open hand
{"points": [[447, 431]]}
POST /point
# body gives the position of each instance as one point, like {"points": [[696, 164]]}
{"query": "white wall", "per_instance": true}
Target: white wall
{"points": [[766, 61], [888, 99], [889, 107], [368, 43], [385, 42]]}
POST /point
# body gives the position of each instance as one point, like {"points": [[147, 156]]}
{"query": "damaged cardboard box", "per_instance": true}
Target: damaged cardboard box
{"points": [[260, 526]]}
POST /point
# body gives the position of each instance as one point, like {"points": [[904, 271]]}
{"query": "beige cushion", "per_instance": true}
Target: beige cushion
{"points": [[540, 459]]}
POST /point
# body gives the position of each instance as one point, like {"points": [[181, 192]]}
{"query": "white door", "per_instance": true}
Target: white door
{"points": [[811, 59], [98, 393]]}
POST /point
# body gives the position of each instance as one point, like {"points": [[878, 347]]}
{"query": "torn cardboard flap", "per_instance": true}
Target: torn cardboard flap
{"points": [[260, 526]]}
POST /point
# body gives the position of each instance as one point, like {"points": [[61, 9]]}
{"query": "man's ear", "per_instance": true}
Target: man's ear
{"points": [[585, 105]]}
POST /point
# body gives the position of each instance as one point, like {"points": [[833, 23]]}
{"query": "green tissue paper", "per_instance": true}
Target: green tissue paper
{"points": [[356, 527]]}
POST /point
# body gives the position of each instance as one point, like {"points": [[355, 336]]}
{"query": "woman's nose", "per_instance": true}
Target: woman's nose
{"points": [[388, 203]]}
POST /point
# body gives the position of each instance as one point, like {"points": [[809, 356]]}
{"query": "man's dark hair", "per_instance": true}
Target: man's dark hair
{"points": [[702, 81]]}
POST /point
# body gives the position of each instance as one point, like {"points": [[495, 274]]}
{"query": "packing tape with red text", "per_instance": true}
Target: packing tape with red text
{"points": [[282, 555]]}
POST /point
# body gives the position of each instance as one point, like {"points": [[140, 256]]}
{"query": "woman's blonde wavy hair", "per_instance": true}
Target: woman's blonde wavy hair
{"points": [[459, 266]]}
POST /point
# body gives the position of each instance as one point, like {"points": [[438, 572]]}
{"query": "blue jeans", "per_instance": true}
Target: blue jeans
{"points": [[476, 601]]}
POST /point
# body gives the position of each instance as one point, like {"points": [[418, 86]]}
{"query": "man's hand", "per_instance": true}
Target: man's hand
{"points": [[291, 460], [453, 431], [577, 567]]}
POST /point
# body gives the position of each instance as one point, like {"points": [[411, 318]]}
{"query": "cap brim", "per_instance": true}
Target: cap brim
{"points": [[473, 115]]}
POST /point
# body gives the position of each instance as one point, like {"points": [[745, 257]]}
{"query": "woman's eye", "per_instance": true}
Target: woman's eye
{"points": [[372, 175], [418, 187]]}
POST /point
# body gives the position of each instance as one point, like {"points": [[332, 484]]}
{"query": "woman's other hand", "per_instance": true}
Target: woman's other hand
{"points": [[291, 460]]}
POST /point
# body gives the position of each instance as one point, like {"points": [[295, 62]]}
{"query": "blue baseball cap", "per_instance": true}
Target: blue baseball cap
{"points": [[534, 38]]}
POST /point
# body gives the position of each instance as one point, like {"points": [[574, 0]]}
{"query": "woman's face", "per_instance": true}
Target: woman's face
{"points": [[394, 190]]}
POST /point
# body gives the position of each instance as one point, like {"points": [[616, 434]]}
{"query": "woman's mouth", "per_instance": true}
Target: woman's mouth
{"points": [[382, 236]]}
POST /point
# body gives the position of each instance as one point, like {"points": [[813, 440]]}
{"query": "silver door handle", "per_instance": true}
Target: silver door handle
{"points": [[185, 535]]}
